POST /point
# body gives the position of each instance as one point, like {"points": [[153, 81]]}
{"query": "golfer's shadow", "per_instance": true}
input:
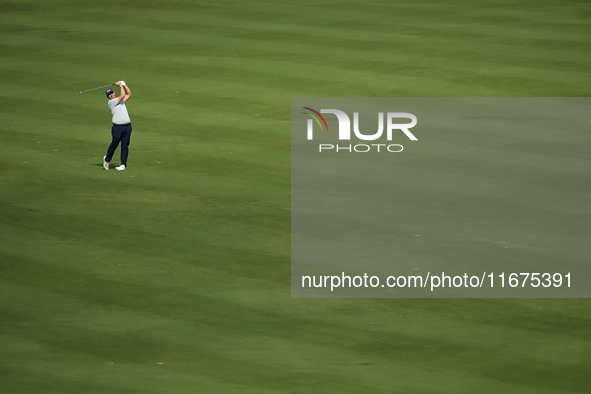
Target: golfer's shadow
{"points": [[112, 165]]}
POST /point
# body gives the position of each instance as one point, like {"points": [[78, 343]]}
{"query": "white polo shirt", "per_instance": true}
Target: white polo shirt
{"points": [[118, 111]]}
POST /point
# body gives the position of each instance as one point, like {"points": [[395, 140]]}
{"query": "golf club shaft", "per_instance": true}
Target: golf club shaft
{"points": [[100, 87]]}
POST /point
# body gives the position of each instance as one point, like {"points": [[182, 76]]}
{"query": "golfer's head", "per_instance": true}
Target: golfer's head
{"points": [[110, 94]]}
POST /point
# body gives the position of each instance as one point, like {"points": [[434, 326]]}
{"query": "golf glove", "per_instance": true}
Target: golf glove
{"points": [[122, 83]]}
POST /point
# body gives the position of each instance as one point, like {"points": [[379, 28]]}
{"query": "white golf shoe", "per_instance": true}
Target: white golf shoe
{"points": [[105, 163], [120, 168]]}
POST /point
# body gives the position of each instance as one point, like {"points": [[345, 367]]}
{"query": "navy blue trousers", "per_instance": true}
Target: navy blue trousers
{"points": [[121, 134]]}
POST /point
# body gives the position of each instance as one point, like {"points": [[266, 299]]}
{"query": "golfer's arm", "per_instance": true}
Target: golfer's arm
{"points": [[121, 94], [128, 92]]}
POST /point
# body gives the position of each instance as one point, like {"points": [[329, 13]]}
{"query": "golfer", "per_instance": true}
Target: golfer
{"points": [[121, 130]]}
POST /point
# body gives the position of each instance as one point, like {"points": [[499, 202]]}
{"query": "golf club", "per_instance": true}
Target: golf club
{"points": [[100, 87]]}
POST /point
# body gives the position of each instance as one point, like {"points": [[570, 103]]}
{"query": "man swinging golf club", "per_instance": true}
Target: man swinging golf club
{"points": [[121, 130]]}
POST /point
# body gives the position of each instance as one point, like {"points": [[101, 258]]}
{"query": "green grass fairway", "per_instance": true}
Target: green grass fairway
{"points": [[174, 276]]}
